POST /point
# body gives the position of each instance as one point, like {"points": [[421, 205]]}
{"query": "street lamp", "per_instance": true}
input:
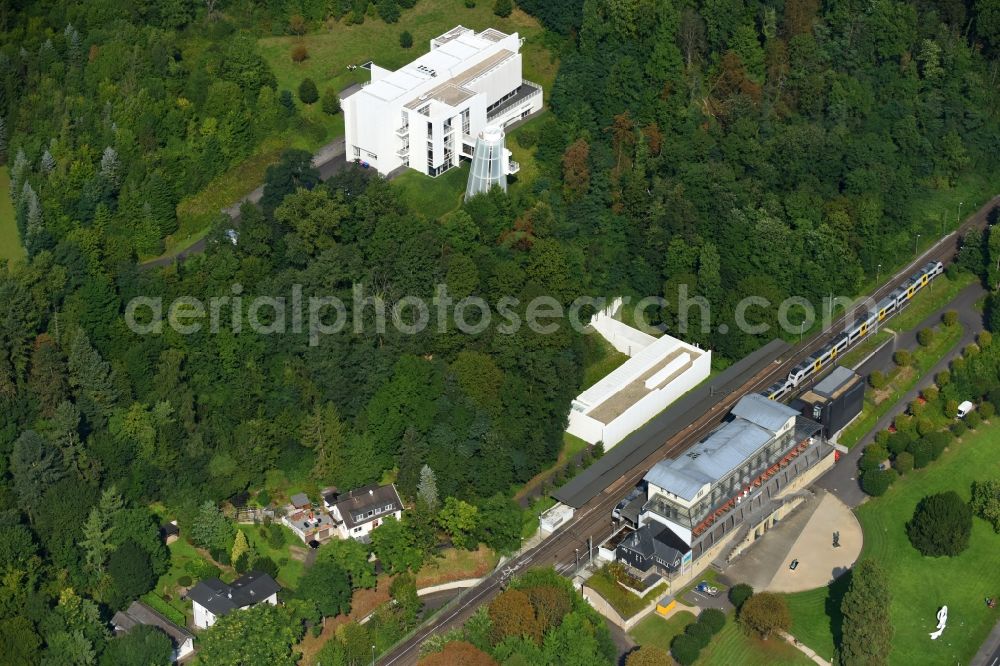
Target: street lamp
{"points": [[373, 655], [878, 270], [915, 241], [960, 211]]}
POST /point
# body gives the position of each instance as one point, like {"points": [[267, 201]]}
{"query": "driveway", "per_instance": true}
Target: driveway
{"points": [[329, 160]]}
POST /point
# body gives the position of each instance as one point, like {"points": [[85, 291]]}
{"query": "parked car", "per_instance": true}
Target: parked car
{"points": [[794, 565], [964, 409]]}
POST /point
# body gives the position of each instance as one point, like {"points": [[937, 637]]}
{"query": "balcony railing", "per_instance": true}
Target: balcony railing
{"points": [[403, 131], [522, 96], [512, 167]]}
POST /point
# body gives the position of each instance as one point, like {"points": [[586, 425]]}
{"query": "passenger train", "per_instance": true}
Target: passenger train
{"points": [[856, 331]]}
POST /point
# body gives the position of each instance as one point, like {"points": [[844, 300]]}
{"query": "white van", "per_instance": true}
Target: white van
{"points": [[964, 409]]}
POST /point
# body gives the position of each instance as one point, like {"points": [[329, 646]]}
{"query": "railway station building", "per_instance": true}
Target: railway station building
{"points": [[427, 114], [728, 489]]}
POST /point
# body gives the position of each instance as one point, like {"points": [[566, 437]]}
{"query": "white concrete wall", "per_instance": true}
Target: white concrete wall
{"points": [[683, 532], [202, 617], [499, 81], [624, 338], [585, 427]]}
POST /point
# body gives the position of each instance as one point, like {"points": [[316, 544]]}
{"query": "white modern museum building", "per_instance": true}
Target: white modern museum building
{"points": [[427, 114]]}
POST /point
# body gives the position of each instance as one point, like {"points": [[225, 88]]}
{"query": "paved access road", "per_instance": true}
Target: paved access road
{"points": [[329, 160]]}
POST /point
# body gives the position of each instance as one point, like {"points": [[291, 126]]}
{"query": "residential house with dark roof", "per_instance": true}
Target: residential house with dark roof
{"points": [[211, 598], [652, 547], [139, 613], [360, 511]]}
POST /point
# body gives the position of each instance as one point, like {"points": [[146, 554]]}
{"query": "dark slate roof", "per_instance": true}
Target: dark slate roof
{"points": [[654, 541], [169, 529], [220, 598], [355, 505], [299, 500], [139, 613], [637, 447]]}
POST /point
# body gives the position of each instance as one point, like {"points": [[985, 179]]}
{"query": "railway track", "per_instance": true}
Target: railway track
{"points": [[592, 521]]}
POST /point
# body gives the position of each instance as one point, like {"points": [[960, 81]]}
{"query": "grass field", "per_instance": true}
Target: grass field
{"points": [[901, 381], [599, 358], [939, 293], [655, 630], [433, 197], [10, 244], [332, 50], [165, 597], [457, 564], [290, 568], [861, 352], [731, 646], [921, 585]]}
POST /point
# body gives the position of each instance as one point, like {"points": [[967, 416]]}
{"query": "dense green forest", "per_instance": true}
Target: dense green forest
{"points": [[737, 147]]}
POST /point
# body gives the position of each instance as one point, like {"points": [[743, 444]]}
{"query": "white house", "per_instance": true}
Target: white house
{"points": [[362, 510], [308, 523], [139, 613], [211, 598], [427, 114]]}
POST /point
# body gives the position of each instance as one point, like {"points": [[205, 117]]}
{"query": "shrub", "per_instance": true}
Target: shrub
{"points": [[872, 457], [184, 581], [987, 410], [958, 428], [941, 525], [264, 499], [898, 442], [882, 438], [903, 462], [906, 424], [984, 339], [951, 409], [925, 337], [503, 8], [470, 4], [275, 536], [916, 408], [300, 53], [684, 648], [986, 501], [902, 358], [297, 24], [942, 379], [973, 419], [930, 394], [764, 614], [876, 482], [526, 138], [331, 102], [405, 39], [924, 427], [938, 441], [242, 563], [877, 379], [713, 618], [308, 92], [265, 564], [220, 555], [739, 593], [388, 10], [407, 4], [921, 451], [287, 101], [700, 632], [971, 350], [949, 318]]}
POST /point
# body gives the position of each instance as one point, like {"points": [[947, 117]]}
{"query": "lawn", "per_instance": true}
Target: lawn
{"points": [[433, 197], [939, 293], [921, 585], [185, 561], [731, 646], [332, 50], [861, 352], [655, 630], [626, 603], [455, 564], [900, 381], [10, 244], [289, 557], [599, 359]]}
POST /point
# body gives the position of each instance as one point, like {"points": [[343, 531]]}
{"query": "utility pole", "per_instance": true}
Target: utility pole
{"points": [[960, 211], [577, 552], [590, 549], [877, 271], [915, 241], [373, 655]]}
